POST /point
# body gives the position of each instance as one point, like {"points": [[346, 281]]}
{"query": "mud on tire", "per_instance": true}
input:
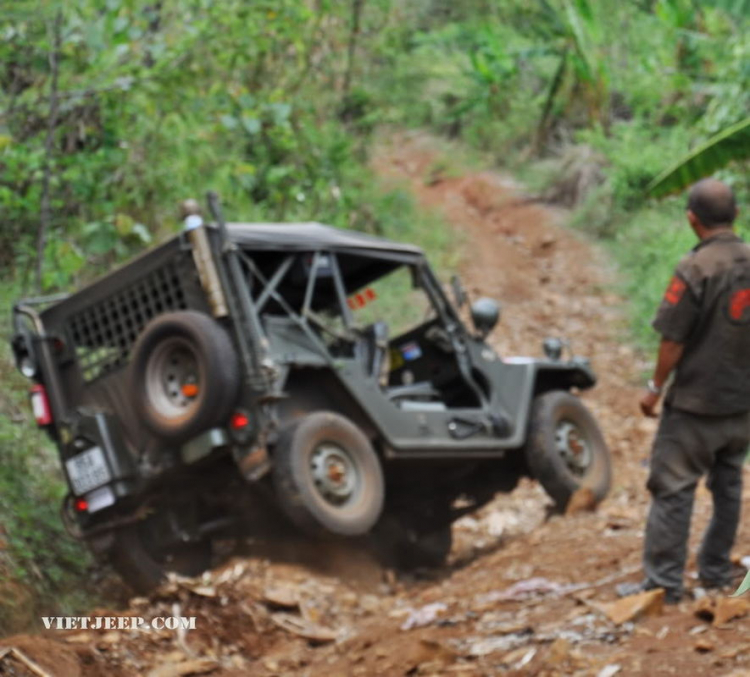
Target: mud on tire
{"points": [[565, 450], [327, 476]]}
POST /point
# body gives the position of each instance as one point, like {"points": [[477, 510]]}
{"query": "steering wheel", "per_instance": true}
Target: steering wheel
{"points": [[440, 338]]}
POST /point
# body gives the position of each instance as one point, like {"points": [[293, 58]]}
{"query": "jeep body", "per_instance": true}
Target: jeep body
{"points": [[171, 384]]}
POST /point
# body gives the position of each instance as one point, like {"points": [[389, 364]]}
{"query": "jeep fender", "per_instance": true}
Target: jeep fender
{"points": [[563, 376]]}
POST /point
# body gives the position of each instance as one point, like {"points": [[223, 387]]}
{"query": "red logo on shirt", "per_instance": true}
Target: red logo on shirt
{"points": [[738, 303], [675, 291]]}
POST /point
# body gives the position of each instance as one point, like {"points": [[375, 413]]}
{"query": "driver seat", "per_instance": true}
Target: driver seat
{"points": [[375, 355], [374, 352]]}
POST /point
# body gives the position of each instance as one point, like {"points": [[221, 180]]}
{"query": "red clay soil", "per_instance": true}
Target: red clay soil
{"points": [[468, 619]]}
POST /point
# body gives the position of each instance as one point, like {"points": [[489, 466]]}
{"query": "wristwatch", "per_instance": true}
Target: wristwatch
{"points": [[652, 387]]}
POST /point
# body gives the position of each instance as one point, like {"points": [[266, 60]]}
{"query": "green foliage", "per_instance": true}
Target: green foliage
{"points": [[731, 144], [744, 586], [42, 569], [163, 101]]}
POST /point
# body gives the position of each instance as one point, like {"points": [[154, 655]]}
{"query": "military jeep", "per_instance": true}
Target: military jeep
{"points": [[259, 379]]}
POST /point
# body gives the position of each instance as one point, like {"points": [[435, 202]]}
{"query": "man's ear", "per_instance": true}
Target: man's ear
{"points": [[695, 222]]}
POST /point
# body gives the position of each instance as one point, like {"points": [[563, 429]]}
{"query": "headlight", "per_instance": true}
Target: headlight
{"points": [[27, 366]]}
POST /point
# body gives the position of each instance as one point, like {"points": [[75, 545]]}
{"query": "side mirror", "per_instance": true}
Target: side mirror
{"points": [[459, 293], [485, 314]]}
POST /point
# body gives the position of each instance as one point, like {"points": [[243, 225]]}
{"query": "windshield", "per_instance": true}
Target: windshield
{"points": [[396, 298]]}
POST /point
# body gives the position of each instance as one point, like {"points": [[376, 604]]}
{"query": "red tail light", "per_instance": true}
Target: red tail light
{"points": [[40, 405], [239, 420]]}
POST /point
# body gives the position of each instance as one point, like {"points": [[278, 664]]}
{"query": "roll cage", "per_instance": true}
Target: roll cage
{"points": [[302, 285]]}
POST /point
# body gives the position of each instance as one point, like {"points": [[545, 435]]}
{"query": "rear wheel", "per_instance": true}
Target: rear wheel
{"points": [[327, 476], [565, 450], [410, 544], [143, 561]]}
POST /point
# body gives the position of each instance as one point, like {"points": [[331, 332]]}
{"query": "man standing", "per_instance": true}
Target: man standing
{"points": [[704, 322]]}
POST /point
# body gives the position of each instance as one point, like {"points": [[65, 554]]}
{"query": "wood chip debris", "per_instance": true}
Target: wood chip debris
{"points": [[12, 652]]}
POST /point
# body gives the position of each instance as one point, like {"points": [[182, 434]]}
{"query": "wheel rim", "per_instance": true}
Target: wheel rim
{"points": [[573, 447], [335, 473], [173, 381]]}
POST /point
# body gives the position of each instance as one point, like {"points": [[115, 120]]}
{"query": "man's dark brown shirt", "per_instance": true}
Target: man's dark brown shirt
{"points": [[707, 308]]}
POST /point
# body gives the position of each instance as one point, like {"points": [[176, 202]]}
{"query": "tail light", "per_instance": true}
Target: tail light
{"points": [[40, 405], [241, 427], [239, 420]]}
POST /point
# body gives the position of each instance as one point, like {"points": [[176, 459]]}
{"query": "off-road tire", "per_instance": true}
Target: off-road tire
{"points": [[547, 464], [217, 365], [295, 485], [143, 569]]}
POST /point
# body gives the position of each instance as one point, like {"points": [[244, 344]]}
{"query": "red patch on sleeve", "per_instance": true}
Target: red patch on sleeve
{"points": [[737, 304], [675, 290]]}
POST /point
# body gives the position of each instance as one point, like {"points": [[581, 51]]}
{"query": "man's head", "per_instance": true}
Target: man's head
{"points": [[711, 205]]}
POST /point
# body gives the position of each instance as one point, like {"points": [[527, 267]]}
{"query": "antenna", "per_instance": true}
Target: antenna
{"points": [[214, 207]]}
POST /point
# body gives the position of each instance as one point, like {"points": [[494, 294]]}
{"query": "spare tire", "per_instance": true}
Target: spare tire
{"points": [[328, 477], [184, 375], [566, 450]]}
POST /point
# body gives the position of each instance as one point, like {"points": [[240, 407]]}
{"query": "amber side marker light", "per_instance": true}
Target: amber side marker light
{"points": [[189, 389]]}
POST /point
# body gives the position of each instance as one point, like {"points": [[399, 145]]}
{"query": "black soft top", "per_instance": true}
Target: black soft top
{"points": [[363, 258], [312, 236]]}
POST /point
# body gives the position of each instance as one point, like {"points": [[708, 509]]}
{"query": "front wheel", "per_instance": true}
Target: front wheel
{"points": [[565, 449]]}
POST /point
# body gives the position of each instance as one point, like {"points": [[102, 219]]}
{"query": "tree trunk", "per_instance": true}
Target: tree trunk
{"points": [[357, 6], [45, 214]]}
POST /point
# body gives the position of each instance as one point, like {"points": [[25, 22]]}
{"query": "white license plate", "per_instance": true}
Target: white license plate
{"points": [[87, 471]]}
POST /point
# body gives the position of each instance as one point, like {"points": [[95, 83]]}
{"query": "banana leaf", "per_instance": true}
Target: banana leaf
{"points": [[729, 145], [744, 586]]}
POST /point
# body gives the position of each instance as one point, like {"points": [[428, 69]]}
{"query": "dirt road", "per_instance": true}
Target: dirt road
{"points": [[524, 595]]}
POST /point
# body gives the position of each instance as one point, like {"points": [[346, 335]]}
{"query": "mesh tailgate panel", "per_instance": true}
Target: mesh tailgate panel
{"points": [[105, 332]]}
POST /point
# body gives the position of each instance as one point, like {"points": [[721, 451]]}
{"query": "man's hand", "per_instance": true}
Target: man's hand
{"points": [[670, 353], [648, 403]]}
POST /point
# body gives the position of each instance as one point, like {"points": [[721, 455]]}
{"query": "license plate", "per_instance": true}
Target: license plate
{"points": [[87, 471]]}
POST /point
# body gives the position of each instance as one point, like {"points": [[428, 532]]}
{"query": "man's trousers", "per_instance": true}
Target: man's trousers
{"points": [[687, 447]]}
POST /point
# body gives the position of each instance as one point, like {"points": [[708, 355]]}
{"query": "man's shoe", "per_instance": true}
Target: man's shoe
{"points": [[730, 580], [723, 586], [671, 595]]}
